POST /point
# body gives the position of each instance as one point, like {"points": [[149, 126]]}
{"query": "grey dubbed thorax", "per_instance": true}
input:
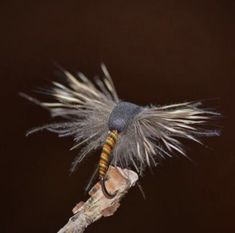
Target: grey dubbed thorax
{"points": [[122, 114]]}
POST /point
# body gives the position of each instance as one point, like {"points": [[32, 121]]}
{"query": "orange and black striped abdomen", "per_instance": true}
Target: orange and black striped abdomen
{"points": [[106, 151]]}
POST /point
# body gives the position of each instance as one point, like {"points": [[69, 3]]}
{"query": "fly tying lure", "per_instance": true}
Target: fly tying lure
{"points": [[130, 135]]}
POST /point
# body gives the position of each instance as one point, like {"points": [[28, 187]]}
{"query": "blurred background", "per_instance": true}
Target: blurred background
{"points": [[158, 52]]}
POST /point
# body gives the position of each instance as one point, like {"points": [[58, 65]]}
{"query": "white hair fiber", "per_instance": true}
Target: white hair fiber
{"points": [[150, 134]]}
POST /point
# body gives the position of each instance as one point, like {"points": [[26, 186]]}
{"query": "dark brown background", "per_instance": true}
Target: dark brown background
{"points": [[159, 52]]}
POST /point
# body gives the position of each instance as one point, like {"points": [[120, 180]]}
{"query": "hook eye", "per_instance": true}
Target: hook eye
{"points": [[105, 191]]}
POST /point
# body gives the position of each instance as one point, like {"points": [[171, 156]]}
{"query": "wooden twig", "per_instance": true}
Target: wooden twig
{"points": [[98, 205]]}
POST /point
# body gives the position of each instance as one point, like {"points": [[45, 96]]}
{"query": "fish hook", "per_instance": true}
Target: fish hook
{"points": [[105, 191]]}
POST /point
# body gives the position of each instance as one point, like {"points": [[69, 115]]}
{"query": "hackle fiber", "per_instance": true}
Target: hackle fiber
{"points": [[154, 132]]}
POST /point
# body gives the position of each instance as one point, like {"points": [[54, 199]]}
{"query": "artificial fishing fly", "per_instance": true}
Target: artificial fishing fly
{"points": [[130, 135]]}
